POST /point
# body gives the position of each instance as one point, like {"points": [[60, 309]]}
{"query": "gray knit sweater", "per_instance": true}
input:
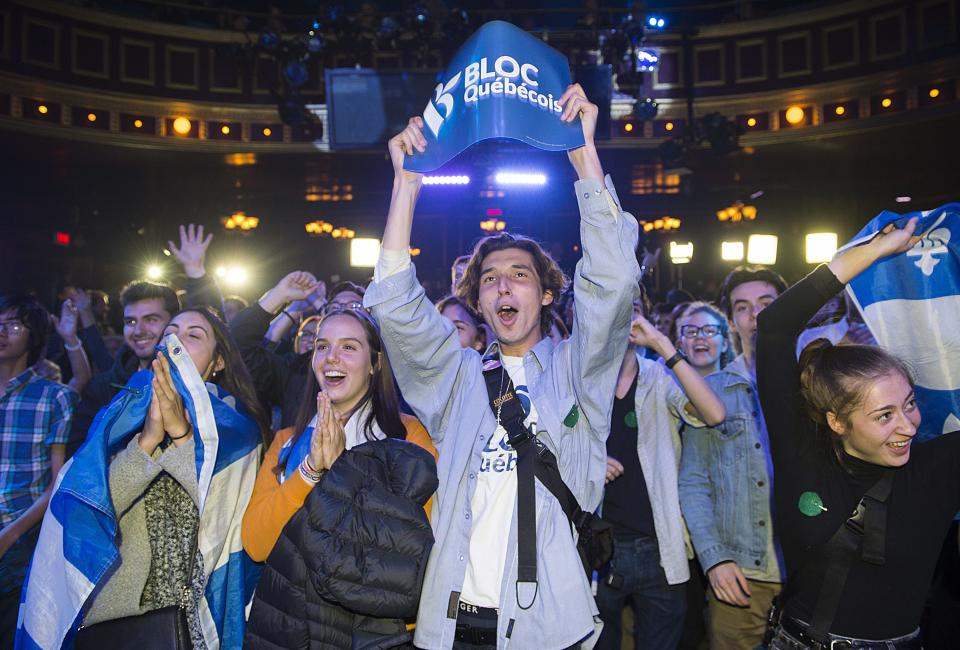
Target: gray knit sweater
{"points": [[131, 474]]}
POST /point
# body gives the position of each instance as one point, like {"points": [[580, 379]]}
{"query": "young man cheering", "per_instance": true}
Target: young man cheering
{"points": [[472, 597]]}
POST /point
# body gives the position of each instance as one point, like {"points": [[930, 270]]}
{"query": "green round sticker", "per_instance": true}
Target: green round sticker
{"points": [[630, 419], [572, 417], [810, 504]]}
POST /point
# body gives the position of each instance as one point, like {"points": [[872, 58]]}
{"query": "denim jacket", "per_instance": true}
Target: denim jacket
{"points": [[725, 480], [571, 386]]}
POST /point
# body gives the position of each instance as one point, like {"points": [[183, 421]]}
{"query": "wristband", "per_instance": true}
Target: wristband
{"points": [[309, 474], [675, 359], [292, 319], [73, 348]]}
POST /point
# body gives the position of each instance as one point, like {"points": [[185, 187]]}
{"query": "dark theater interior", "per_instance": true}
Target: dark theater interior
{"points": [[757, 144]]}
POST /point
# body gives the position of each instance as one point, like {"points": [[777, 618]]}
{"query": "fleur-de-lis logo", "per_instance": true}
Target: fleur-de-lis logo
{"points": [[932, 244], [442, 97]]}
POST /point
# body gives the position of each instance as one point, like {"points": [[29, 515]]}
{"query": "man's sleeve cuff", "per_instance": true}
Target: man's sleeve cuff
{"points": [[598, 202]]}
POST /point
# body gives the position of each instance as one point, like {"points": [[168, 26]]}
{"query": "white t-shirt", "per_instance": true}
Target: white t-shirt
{"points": [[493, 503]]}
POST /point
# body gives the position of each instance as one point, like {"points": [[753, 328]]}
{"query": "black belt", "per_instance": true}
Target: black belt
{"points": [[798, 631], [476, 625]]}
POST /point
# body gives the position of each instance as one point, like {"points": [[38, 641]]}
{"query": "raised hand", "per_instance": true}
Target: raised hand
{"points": [[404, 144], [892, 240], [294, 286], [644, 334], [192, 250], [584, 159], [66, 325]]}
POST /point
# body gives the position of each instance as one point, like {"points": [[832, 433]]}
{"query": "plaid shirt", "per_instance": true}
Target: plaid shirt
{"points": [[34, 414]]}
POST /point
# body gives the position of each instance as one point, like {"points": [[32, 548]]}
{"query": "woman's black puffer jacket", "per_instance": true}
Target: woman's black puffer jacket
{"points": [[349, 565]]}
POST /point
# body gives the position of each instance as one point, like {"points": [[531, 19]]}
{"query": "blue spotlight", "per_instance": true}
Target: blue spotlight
{"points": [[656, 22], [647, 59]]}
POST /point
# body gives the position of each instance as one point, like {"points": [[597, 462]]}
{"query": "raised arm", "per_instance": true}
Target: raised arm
{"points": [[66, 326], [605, 282], [423, 346], [778, 325], [703, 402]]}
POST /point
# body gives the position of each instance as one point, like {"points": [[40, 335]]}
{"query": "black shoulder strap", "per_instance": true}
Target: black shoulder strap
{"points": [[506, 407], [865, 529]]}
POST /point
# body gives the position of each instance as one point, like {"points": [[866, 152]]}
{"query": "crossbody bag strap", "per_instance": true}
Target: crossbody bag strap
{"points": [[506, 407], [866, 530]]}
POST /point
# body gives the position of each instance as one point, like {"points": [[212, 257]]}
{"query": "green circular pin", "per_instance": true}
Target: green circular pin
{"points": [[810, 504], [572, 417], [630, 419]]}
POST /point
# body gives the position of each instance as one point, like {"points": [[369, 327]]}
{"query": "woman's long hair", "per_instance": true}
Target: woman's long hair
{"points": [[234, 378], [381, 392]]}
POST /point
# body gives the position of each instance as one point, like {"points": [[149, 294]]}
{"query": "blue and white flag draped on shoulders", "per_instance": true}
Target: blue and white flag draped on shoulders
{"points": [[78, 546], [911, 303]]}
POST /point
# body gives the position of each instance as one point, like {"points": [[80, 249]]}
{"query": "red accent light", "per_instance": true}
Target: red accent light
{"points": [[494, 212], [61, 238]]}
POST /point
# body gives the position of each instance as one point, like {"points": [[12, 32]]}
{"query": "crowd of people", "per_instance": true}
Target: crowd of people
{"points": [[227, 452]]}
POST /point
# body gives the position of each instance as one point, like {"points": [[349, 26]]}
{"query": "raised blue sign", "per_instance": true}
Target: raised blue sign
{"points": [[502, 83]]}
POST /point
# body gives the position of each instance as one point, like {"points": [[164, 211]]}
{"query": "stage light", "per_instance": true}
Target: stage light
{"points": [[61, 238], [731, 251], [934, 93], [520, 178], [656, 22], [166, 252], [681, 252], [821, 246], [414, 252], [42, 109], [154, 272], [221, 271], [762, 249], [903, 199], [628, 127], [751, 122], [267, 132], [91, 117], [236, 276], [886, 102], [645, 109], [794, 115], [839, 110], [749, 212], [138, 124], [182, 126], [668, 126], [225, 130], [364, 252], [647, 59], [446, 180]]}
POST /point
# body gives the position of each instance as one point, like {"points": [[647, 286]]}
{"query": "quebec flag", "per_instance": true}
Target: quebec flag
{"points": [[911, 303]]}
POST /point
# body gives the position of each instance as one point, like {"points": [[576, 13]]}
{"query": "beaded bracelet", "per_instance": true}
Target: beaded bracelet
{"points": [[307, 471]]}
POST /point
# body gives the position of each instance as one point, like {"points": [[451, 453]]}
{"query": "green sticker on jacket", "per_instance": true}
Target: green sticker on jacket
{"points": [[810, 504], [572, 417], [630, 419]]}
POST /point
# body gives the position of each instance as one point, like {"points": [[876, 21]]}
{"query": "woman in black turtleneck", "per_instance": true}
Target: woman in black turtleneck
{"points": [[864, 421]]}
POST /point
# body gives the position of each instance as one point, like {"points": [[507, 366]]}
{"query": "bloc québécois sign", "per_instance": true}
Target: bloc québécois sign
{"points": [[502, 83]]}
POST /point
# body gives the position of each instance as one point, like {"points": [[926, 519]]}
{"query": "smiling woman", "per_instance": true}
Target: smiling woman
{"points": [[350, 399], [854, 454]]}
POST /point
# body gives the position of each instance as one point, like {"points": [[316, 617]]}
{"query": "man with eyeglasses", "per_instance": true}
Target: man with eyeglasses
{"points": [[35, 418], [649, 565], [726, 479]]}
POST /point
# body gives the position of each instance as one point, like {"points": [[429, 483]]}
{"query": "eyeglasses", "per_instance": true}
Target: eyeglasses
{"points": [[707, 331], [355, 308], [343, 306], [12, 327]]}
